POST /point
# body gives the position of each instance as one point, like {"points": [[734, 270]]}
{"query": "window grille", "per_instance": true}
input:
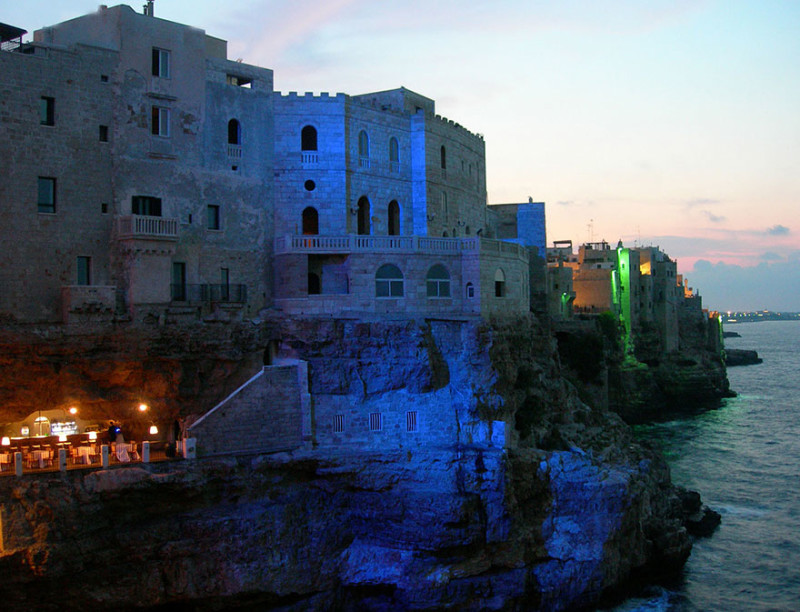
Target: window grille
{"points": [[411, 421], [375, 421], [338, 423]]}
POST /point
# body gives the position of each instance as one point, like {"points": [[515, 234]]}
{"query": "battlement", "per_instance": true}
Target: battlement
{"points": [[310, 95], [452, 124]]}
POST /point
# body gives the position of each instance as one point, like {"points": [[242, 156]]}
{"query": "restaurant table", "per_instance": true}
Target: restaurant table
{"points": [[84, 454], [40, 456], [122, 449]]}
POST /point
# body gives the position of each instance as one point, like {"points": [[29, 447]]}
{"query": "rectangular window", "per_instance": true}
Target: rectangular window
{"points": [[84, 270], [146, 205], [47, 110], [411, 421], [161, 63], [375, 421], [178, 281], [225, 284], [47, 195], [338, 423], [104, 208], [103, 133], [212, 215], [239, 81], [159, 121]]}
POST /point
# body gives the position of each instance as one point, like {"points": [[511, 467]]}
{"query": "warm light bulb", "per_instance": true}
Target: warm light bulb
{"points": [[62, 437], [93, 435], [142, 407], [153, 429], [6, 441], [73, 410]]}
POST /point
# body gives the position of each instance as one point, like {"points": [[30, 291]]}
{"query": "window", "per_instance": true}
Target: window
{"points": [[310, 221], [234, 132], [104, 208], [146, 205], [104, 78], [103, 133], [47, 194], [84, 271], [394, 218], [308, 138], [443, 157], [314, 284], [309, 185], [499, 283], [212, 217], [445, 211], [47, 110], [394, 155], [338, 423], [470, 290], [375, 421], [178, 281], [363, 149], [411, 421], [159, 121], [438, 281], [239, 81], [160, 63], [388, 282], [225, 284], [363, 216]]}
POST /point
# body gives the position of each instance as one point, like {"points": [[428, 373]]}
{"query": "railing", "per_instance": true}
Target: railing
{"points": [[141, 226], [236, 294], [309, 157], [360, 243], [363, 162], [235, 151]]}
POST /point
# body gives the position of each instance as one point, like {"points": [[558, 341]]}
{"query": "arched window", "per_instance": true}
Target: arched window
{"points": [[363, 145], [499, 283], [388, 282], [445, 211], [234, 132], [470, 291], [314, 284], [438, 282], [443, 153], [394, 218], [363, 216], [394, 154], [308, 138], [310, 221]]}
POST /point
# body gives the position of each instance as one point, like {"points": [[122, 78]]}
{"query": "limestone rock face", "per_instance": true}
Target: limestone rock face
{"points": [[560, 509]]}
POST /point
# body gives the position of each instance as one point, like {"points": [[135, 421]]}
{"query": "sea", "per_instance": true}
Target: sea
{"points": [[744, 459]]}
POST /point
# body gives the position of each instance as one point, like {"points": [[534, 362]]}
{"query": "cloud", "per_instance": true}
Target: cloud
{"points": [[565, 203], [712, 217], [770, 256], [778, 230], [771, 286], [702, 202]]}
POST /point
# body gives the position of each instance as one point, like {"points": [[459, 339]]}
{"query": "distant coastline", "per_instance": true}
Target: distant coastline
{"points": [[757, 315]]}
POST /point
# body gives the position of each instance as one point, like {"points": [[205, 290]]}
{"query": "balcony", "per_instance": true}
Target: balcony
{"points": [[205, 293], [399, 244], [235, 152], [142, 227], [309, 157]]}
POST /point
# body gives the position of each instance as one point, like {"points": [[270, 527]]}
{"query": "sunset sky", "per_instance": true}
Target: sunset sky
{"points": [[668, 123]]}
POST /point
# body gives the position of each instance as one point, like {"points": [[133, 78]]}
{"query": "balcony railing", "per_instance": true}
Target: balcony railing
{"points": [[235, 294], [362, 244], [234, 151], [309, 157], [142, 226]]}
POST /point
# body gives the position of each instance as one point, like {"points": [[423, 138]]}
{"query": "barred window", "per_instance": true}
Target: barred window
{"points": [[375, 421], [338, 423], [411, 421]]}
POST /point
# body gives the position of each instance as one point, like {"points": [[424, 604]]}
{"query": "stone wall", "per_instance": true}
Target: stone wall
{"points": [[266, 414]]}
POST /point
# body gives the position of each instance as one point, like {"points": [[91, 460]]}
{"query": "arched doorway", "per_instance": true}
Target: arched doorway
{"points": [[363, 216]]}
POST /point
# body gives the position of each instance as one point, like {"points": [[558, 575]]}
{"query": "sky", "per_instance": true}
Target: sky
{"points": [[667, 122]]}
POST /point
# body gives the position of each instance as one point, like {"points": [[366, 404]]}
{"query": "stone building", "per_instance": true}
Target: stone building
{"points": [[150, 176]]}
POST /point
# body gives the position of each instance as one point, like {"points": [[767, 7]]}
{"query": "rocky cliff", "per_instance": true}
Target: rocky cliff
{"points": [[565, 510]]}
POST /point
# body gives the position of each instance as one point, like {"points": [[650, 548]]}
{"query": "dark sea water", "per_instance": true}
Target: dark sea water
{"points": [[744, 459]]}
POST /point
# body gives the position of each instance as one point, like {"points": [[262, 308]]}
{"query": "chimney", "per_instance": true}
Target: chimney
{"points": [[148, 9]]}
